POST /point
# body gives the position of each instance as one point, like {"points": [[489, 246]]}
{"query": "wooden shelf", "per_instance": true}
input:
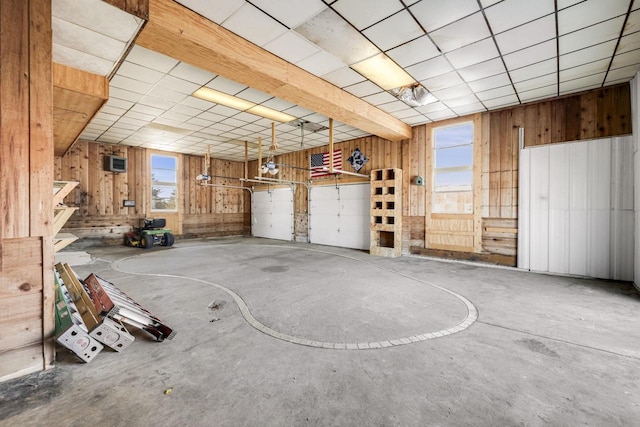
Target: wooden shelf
{"points": [[62, 213], [386, 212]]}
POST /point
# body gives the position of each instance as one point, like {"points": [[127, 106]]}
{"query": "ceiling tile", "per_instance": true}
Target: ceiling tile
{"points": [[539, 69], [394, 31], [413, 52], [178, 85], [402, 114], [156, 102], [442, 81], [482, 70], [100, 16], [562, 4], [512, 13], [629, 43], [200, 104], [364, 13], [468, 99], [290, 12], [441, 115], [129, 84], [588, 13], [435, 14], [214, 11], [584, 70], [167, 94], [277, 104], [487, 3], [583, 83], [633, 22], [320, 63], [84, 61], [539, 93], [343, 41], [535, 83], [84, 40], [469, 109], [430, 68], [490, 82], [193, 74], [627, 58], [140, 73], [363, 89], [225, 85], [393, 106], [291, 47], [452, 93], [380, 98], [499, 92], [461, 33], [590, 54], [416, 120], [622, 74], [119, 103], [531, 55], [602, 32], [254, 95], [530, 34], [343, 77], [150, 59], [473, 53], [115, 92], [254, 25], [183, 109]]}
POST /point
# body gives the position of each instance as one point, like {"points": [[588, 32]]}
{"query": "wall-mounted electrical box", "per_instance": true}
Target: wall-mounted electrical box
{"points": [[418, 180], [115, 164]]}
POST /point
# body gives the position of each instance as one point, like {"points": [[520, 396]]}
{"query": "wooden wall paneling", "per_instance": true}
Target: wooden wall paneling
{"points": [[544, 122], [428, 182], [558, 122], [507, 133], [494, 161], [478, 122], [572, 114], [588, 110], [486, 147], [14, 120], [531, 125]]}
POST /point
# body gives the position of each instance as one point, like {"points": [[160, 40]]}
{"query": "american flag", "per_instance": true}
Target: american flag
{"points": [[321, 160]]}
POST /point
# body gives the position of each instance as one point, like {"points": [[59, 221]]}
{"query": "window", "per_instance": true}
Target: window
{"points": [[164, 183], [453, 169]]}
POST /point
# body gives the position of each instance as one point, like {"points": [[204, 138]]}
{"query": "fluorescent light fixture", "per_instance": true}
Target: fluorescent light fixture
{"points": [[384, 72], [261, 110], [240, 104], [414, 95], [218, 97]]}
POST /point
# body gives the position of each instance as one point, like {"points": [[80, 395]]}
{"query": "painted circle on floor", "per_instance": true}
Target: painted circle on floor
{"points": [[312, 296]]}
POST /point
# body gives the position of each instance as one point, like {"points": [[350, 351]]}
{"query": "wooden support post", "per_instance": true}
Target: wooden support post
{"points": [[259, 156], [330, 145], [274, 144], [246, 160]]}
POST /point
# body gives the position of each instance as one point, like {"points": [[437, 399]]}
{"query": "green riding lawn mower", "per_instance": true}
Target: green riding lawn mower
{"points": [[151, 232]]}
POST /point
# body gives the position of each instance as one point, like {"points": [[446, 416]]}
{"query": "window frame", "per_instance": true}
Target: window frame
{"points": [[435, 190], [153, 183]]}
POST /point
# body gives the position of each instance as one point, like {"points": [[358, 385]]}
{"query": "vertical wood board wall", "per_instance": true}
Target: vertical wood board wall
{"points": [[26, 188]]}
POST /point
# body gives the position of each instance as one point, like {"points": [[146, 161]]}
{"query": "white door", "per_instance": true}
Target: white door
{"points": [[340, 216], [575, 213], [272, 214]]}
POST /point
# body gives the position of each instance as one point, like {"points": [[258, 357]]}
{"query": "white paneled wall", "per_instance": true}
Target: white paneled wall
{"points": [[340, 215], [635, 112], [576, 209], [272, 214]]}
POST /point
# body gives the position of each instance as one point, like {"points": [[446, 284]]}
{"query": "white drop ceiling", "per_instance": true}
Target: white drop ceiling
{"points": [[473, 55]]}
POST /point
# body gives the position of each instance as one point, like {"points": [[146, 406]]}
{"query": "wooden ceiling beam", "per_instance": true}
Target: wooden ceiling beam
{"points": [[77, 97], [180, 33]]}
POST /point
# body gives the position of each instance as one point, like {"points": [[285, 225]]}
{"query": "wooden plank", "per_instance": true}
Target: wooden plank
{"points": [[178, 32], [466, 256], [14, 120], [139, 8], [20, 333], [18, 362], [21, 307]]}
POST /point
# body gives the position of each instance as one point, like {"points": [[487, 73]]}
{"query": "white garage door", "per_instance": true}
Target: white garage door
{"points": [[340, 216], [272, 214], [576, 208]]}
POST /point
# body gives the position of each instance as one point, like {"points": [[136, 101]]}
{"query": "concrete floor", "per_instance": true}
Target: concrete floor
{"points": [[539, 350]]}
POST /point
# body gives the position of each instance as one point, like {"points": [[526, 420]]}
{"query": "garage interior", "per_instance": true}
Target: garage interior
{"points": [[389, 212]]}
